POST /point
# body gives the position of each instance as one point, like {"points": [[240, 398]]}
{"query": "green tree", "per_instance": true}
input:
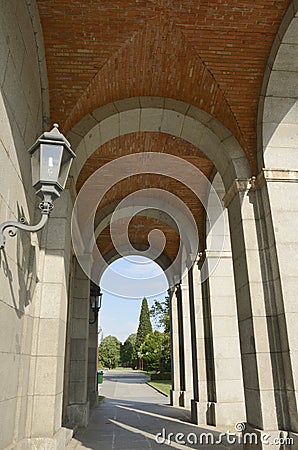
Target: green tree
{"points": [[109, 352], [144, 327], [128, 351], [152, 350], [160, 313]]}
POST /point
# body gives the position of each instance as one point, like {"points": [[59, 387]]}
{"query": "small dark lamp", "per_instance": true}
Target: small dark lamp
{"points": [[95, 300]]}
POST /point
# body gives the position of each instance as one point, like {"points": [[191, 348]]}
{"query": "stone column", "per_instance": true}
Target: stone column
{"points": [[44, 411], [199, 404], [176, 350], [261, 328], [187, 391], [93, 364], [278, 202], [208, 344], [229, 396], [77, 410]]}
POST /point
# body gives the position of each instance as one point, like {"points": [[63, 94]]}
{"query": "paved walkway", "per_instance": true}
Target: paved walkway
{"points": [[133, 414]]}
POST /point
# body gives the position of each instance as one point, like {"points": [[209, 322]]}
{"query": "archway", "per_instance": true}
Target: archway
{"points": [[240, 199], [124, 284]]}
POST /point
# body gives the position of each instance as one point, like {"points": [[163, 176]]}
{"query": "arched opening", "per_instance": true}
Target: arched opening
{"points": [[115, 146], [129, 152], [124, 284], [130, 269]]}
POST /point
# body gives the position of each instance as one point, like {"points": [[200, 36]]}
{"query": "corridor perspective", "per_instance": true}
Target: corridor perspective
{"points": [[133, 415], [158, 129]]}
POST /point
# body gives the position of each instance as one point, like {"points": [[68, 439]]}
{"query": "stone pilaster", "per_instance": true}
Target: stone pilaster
{"points": [[187, 392], [263, 330], [229, 406], [177, 348], [278, 192], [199, 403], [93, 364], [77, 410], [43, 424]]}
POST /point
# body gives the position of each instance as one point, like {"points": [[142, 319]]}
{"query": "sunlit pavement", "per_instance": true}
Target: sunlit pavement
{"points": [[133, 414]]}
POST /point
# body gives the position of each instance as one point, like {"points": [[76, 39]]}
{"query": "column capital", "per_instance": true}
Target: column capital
{"points": [[218, 254], [200, 259], [178, 292], [257, 182], [276, 175], [238, 185]]}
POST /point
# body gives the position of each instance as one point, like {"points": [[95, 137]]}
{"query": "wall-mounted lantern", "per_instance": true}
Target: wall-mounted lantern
{"points": [[51, 159], [95, 300]]}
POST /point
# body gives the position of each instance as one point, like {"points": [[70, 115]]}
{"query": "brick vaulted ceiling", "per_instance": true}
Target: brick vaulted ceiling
{"points": [[144, 142], [208, 53]]}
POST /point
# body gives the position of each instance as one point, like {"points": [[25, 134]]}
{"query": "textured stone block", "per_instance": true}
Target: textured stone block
{"points": [[129, 121], [85, 125], [109, 128], [151, 119], [172, 123], [92, 140], [51, 337], [53, 306], [283, 84], [192, 131]]}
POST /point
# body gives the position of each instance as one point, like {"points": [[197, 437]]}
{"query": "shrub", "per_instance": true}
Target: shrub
{"points": [[161, 376]]}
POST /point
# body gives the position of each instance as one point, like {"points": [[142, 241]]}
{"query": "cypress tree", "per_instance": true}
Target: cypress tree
{"points": [[144, 327]]}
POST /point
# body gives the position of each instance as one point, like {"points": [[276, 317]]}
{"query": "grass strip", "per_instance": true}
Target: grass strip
{"points": [[163, 386]]}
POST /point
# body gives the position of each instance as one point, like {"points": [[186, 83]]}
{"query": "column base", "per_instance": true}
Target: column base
{"points": [[228, 414], [186, 397], [181, 398], [78, 415], [58, 442], [256, 439], [203, 413], [93, 399], [175, 398], [217, 414]]}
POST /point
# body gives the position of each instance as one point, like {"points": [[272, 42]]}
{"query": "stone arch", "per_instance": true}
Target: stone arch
{"points": [[278, 106], [165, 115], [278, 155], [106, 214], [163, 260]]}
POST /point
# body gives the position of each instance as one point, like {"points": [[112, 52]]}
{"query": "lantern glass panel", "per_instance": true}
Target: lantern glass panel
{"points": [[65, 168], [35, 165], [93, 301], [50, 162]]}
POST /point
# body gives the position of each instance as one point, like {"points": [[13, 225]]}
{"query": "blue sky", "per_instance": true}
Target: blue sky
{"points": [[124, 284]]}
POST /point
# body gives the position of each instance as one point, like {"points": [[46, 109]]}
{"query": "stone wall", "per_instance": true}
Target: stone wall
{"points": [[21, 121]]}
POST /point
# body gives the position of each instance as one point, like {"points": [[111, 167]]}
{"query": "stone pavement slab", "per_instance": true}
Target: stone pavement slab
{"points": [[136, 416]]}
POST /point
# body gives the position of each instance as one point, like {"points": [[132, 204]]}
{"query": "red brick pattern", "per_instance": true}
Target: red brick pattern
{"points": [[210, 53], [153, 142], [138, 231]]}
